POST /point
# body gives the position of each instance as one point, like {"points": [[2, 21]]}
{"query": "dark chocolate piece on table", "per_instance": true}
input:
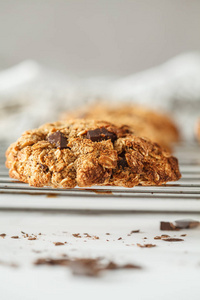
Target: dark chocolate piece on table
{"points": [[187, 223], [168, 226]]}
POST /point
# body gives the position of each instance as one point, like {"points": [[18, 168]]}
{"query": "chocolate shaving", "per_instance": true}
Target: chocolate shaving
{"points": [[58, 244], [52, 262], [93, 267], [58, 140], [146, 245], [77, 235], [2, 235], [32, 238], [85, 266], [135, 231], [101, 134], [14, 237], [163, 236], [173, 240]]}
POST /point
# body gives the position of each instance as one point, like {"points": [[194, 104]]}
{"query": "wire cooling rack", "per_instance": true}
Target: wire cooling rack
{"points": [[181, 196]]}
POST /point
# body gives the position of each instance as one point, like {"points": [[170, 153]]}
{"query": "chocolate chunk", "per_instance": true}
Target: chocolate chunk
{"points": [[58, 139], [187, 223], [146, 245], [122, 160], [44, 168], [101, 134], [168, 226]]}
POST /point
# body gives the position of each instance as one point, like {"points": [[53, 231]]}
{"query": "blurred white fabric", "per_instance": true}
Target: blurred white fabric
{"points": [[31, 95]]}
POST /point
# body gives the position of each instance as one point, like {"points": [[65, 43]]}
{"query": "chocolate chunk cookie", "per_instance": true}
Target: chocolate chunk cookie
{"points": [[156, 126], [83, 153], [197, 130]]}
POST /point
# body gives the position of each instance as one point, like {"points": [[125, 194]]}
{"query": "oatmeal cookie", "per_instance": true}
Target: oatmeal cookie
{"points": [[156, 126], [197, 131], [83, 153]]}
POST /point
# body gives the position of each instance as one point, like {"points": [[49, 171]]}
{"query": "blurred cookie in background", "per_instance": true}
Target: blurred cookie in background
{"points": [[156, 126], [197, 130]]}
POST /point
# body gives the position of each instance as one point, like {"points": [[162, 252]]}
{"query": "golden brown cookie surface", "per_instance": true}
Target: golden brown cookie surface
{"points": [[87, 152]]}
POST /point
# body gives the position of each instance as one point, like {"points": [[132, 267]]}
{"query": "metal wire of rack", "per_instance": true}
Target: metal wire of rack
{"points": [[181, 196]]}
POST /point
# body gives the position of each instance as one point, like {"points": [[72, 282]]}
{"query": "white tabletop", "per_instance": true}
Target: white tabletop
{"points": [[169, 270]]}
